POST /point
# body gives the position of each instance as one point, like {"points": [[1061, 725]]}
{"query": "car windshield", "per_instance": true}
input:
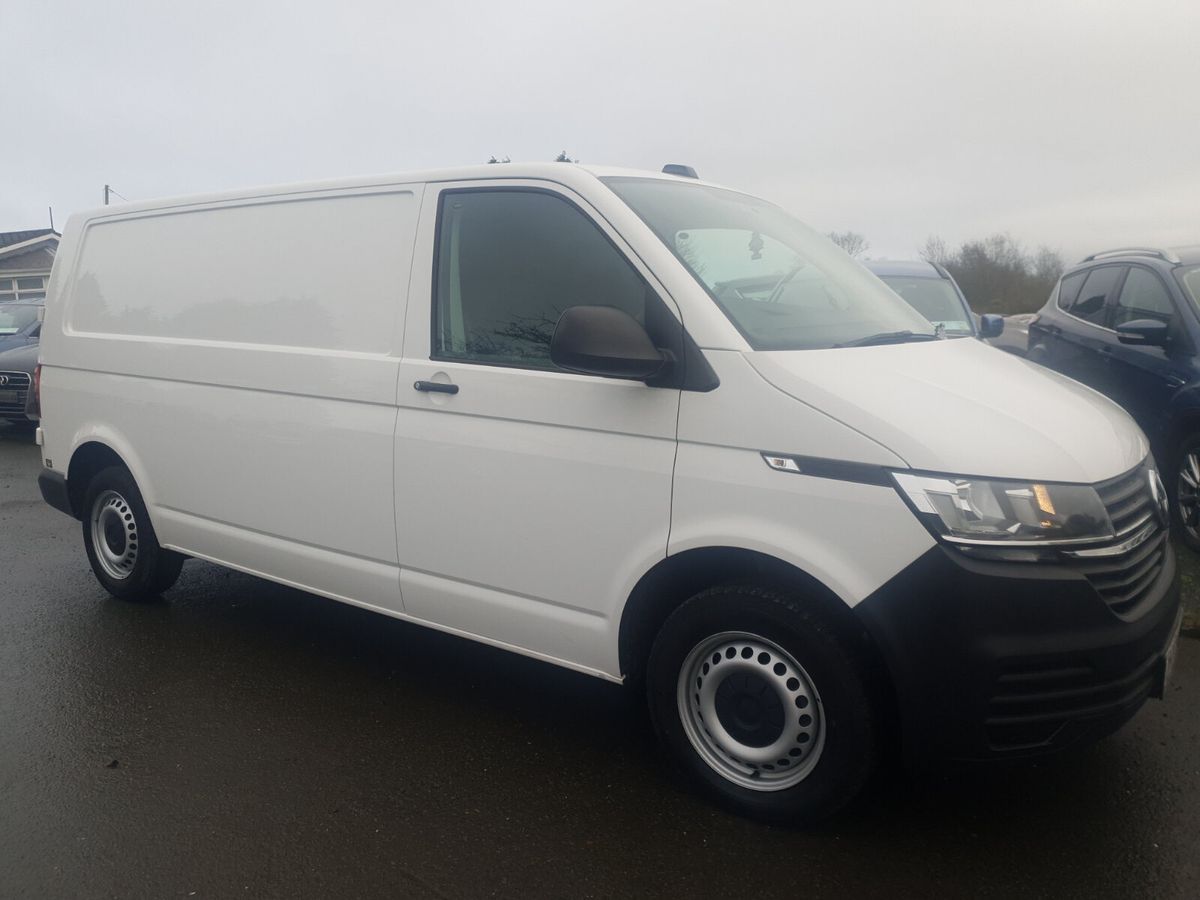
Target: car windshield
{"points": [[1190, 279], [16, 318], [935, 299], [783, 285]]}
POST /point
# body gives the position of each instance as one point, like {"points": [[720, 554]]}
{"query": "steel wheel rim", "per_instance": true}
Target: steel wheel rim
{"points": [[114, 535], [1187, 493], [750, 661]]}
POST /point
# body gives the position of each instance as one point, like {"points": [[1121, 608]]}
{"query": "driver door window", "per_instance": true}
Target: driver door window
{"points": [[509, 263], [1143, 296]]}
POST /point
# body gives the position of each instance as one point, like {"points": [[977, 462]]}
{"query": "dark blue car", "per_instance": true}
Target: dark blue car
{"points": [[20, 324], [1127, 323]]}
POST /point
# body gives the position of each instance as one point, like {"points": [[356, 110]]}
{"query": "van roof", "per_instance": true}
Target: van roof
{"points": [[572, 175]]}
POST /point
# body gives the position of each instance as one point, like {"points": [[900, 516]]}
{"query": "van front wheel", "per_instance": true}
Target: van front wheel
{"points": [[764, 704], [120, 541]]}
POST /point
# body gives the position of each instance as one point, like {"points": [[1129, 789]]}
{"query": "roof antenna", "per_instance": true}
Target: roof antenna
{"points": [[51, 208], [682, 171]]}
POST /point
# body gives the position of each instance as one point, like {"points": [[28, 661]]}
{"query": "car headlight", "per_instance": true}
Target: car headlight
{"points": [[982, 512]]}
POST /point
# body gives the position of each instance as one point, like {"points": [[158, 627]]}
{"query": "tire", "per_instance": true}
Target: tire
{"points": [[1184, 489], [788, 671], [120, 541]]}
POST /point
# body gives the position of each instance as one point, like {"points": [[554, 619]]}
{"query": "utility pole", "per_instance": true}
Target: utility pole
{"points": [[107, 189]]}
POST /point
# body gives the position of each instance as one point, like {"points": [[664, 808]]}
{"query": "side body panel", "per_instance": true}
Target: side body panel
{"points": [[851, 537], [250, 388]]}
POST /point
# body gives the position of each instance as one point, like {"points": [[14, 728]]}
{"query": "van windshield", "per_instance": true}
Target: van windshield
{"points": [[783, 285]]}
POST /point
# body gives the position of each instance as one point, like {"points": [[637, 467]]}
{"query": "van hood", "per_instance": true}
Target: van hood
{"points": [[961, 407]]}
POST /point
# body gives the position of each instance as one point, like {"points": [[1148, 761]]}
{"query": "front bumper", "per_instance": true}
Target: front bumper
{"points": [[994, 660]]}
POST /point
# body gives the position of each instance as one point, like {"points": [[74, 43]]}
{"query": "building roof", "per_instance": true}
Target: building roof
{"points": [[9, 238]]}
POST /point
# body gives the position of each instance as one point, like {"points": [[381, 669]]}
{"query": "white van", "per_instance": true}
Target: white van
{"points": [[629, 423]]}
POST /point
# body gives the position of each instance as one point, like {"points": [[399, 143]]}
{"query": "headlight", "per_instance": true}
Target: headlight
{"points": [[984, 512]]}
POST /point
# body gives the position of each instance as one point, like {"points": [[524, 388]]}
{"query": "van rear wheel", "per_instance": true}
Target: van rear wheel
{"points": [[120, 541], [764, 704]]}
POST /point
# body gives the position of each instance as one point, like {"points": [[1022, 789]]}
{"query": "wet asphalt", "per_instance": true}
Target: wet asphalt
{"points": [[241, 739]]}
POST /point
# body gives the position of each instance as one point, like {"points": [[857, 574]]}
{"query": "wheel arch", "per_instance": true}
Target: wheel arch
{"points": [[1184, 421], [91, 455], [678, 577]]}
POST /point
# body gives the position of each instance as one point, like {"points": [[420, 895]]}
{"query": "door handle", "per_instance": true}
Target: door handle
{"points": [[435, 387]]}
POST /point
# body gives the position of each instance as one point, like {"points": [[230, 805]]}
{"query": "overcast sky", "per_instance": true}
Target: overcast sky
{"points": [[1074, 124]]}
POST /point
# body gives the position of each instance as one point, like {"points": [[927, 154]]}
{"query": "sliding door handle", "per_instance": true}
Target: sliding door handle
{"points": [[435, 387]]}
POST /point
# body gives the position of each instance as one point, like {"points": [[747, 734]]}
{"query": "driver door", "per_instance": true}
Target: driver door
{"points": [[528, 499]]}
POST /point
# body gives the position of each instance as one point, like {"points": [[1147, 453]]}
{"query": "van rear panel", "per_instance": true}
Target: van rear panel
{"points": [[242, 359], [323, 273]]}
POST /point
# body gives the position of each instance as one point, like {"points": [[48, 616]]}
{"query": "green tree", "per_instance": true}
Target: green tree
{"points": [[996, 274]]}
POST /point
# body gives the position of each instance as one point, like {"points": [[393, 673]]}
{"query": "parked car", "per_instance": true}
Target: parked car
{"points": [[630, 423], [1014, 338], [20, 323], [932, 291], [16, 379], [1126, 323]]}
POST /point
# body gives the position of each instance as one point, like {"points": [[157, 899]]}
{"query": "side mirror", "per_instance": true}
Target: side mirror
{"points": [[1143, 332], [602, 340], [991, 326]]}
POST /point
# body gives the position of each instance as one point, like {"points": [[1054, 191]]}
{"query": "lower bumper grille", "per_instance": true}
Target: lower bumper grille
{"points": [[1030, 706]]}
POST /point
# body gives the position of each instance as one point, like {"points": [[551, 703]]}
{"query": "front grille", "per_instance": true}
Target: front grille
{"points": [[1126, 579], [1128, 500], [16, 383], [1031, 703], [1125, 576]]}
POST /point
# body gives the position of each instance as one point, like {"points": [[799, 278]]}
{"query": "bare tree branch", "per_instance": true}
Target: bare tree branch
{"points": [[851, 241]]}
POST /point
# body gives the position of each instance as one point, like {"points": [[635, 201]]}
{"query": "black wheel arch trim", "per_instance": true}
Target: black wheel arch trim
{"points": [[53, 486]]}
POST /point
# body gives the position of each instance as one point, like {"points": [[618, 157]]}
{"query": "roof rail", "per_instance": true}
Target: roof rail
{"points": [[1157, 252]]}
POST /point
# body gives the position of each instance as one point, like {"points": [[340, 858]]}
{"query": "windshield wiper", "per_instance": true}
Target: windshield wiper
{"points": [[889, 337]]}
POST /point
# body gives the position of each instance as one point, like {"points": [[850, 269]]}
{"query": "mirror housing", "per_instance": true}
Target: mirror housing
{"points": [[602, 340], [991, 325], [1143, 332]]}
